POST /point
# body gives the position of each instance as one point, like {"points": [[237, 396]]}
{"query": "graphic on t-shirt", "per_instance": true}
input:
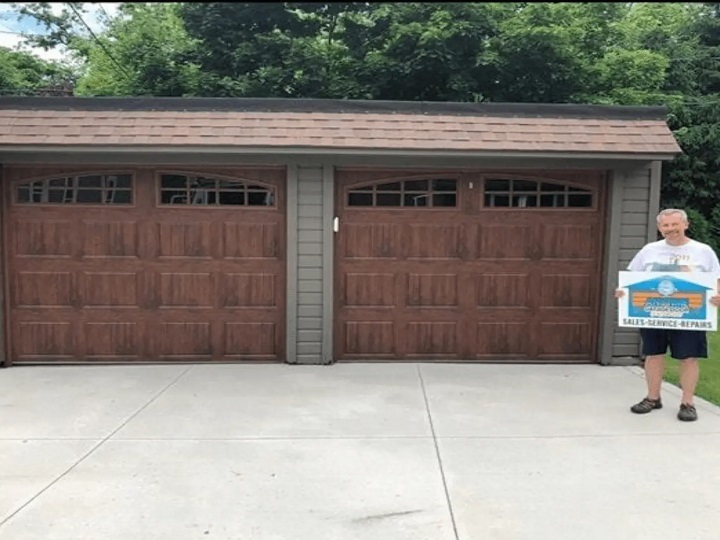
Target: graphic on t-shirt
{"points": [[663, 257], [677, 263]]}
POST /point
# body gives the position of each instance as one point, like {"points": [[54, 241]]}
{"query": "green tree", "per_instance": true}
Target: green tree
{"points": [[272, 49], [425, 51], [22, 73], [144, 51], [692, 180]]}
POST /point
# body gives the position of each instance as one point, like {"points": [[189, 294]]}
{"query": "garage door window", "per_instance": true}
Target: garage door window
{"points": [[503, 192], [182, 189], [425, 193], [81, 189]]}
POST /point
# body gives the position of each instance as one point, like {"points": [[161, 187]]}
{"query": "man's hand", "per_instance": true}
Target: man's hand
{"points": [[619, 293], [715, 300]]}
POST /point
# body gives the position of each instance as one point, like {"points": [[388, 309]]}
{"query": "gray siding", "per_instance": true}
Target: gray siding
{"points": [[634, 197], [3, 308], [307, 313]]}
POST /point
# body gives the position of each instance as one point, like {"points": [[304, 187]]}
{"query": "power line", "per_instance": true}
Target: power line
{"points": [[7, 29], [100, 43], [99, 4]]}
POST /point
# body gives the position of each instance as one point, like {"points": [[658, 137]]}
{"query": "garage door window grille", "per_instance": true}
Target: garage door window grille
{"points": [[500, 192], [435, 193], [181, 189], [106, 189]]}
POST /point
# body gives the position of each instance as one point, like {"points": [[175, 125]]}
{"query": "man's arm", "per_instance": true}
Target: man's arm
{"points": [[715, 299]]}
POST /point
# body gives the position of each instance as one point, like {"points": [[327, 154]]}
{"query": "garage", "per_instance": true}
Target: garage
{"points": [[468, 265], [128, 264], [315, 231]]}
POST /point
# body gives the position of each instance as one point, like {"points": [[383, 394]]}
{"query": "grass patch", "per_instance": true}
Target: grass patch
{"points": [[709, 384]]}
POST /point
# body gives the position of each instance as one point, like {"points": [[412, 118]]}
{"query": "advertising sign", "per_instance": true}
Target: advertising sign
{"points": [[676, 300]]}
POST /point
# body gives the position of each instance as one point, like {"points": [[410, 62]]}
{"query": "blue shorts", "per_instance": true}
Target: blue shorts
{"points": [[683, 343]]}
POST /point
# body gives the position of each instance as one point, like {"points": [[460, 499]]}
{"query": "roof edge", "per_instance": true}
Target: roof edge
{"points": [[307, 105], [322, 151]]}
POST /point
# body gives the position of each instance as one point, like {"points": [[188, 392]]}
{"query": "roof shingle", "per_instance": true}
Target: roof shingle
{"points": [[46, 127]]}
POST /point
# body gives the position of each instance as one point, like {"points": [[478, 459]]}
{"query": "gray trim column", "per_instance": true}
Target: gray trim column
{"points": [[328, 262], [612, 239], [291, 254], [311, 231], [4, 308]]}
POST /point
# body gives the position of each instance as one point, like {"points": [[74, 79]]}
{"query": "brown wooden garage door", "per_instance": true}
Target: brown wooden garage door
{"points": [[468, 266], [145, 265]]}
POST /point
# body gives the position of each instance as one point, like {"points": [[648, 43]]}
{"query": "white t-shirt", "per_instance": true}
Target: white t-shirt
{"points": [[662, 257]]}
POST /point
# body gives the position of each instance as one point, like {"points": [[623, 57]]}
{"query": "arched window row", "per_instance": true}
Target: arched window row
{"points": [[516, 193], [183, 189], [117, 189], [107, 189], [443, 192]]}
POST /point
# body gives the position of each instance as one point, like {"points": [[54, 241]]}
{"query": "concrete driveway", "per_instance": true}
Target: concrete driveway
{"points": [[351, 451]]}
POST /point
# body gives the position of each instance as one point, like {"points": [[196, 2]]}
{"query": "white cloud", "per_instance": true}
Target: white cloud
{"points": [[12, 26]]}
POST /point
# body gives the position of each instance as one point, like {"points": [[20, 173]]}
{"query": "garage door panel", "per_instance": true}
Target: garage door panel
{"points": [[502, 242], [251, 340], [433, 242], [509, 315], [369, 289], [568, 242], [426, 338], [179, 240], [150, 280], [370, 338], [502, 290], [185, 290], [579, 266], [113, 341], [110, 289], [251, 241], [118, 239], [372, 241], [471, 282], [42, 289], [44, 340], [241, 290], [564, 339], [51, 238], [566, 290], [183, 339], [430, 290], [502, 339]]}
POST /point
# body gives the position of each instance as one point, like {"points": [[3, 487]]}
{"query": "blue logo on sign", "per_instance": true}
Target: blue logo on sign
{"points": [[668, 297], [666, 287]]}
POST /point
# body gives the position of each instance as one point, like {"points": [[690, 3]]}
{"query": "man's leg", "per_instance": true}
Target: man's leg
{"points": [[654, 368], [654, 346], [688, 346], [689, 375]]}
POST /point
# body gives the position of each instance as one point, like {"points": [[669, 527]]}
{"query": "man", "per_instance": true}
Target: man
{"points": [[675, 253]]}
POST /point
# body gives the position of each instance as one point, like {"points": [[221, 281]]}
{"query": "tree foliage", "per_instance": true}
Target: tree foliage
{"points": [[22, 73], [145, 51]]}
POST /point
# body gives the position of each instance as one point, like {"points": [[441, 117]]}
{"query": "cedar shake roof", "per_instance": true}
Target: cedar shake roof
{"points": [[333, 125]]}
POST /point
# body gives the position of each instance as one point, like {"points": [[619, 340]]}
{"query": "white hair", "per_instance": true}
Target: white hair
{"points": [[669, 211]]}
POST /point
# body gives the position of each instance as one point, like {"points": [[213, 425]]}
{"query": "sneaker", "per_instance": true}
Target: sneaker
{"points": [[646, 405], [687, 413]]}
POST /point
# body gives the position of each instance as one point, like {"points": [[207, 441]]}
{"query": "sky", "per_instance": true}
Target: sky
{"points": [[11, 26]]}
